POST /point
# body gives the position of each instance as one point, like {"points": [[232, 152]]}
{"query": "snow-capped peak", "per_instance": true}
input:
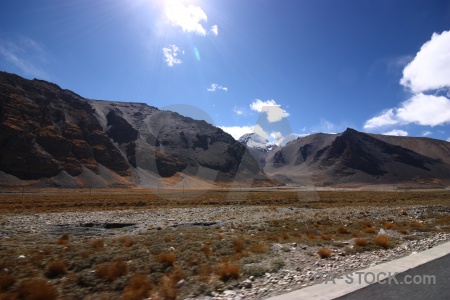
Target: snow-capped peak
{"points": [[254, 140]]}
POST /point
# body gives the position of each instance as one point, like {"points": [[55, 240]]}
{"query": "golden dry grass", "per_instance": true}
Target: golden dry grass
{"points": [[228, 271], [324, 252], [382, 240]]}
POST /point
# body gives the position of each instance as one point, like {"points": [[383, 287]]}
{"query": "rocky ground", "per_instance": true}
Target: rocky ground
{"points": [[275, 249]]}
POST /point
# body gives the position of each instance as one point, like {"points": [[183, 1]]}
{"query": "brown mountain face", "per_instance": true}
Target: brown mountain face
{"points": [[47, 132], [356, 157]]}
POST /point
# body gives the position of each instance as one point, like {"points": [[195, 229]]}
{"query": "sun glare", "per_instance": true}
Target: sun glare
{"points": [[186, 16]]}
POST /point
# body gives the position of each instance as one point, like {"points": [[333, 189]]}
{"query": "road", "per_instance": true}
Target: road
{"points": [[439, 268]]}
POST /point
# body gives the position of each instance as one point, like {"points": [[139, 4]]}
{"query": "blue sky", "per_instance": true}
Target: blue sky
{"points": [[278, 68]]}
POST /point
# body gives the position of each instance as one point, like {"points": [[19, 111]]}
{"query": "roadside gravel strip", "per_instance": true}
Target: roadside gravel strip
{"points": [[343, 286]]}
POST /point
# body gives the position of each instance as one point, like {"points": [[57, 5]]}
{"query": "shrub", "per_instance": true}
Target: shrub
{"points": [[311, 236], [382, 241], [403, 231], [98, 244], [324, 252], [37, 289], [285, 236], [112, 271], [370, 230], [238, 245], [126, 241], [206, 250], [138, 288], [166, 258], [55, 269], [259, 248], [343, 230], [6, 282], [63, 240], [167, 289], [326, 237], [228, 271], [388, 225], [361, 242]]}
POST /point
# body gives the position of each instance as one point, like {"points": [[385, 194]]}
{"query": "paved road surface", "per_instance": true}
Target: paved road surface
{"points": [[440, 268]]}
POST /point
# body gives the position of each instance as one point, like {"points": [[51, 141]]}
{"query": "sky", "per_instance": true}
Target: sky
{"points": [[280, 68]]}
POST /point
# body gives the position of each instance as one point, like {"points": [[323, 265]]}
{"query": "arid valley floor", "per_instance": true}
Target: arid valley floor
{"points": [[218, 244]]}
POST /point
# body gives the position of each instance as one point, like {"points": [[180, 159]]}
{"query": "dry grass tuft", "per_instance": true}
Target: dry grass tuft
{"points": [[311, 236], [324, 252], [112, 271], [169, 239], [6, 282], [167, 288], [55, 268], [207, 250], [343, 230], [228, 271], [362, 242], [388, 225], [260, 248], [63, 240], [37, 289], [382, 241], [98, 244], [370, 230], [126, 241], [238, 245], [285, 236], [167, 258], [138, 288], [415, 224], [403, 231], [326, 237]]}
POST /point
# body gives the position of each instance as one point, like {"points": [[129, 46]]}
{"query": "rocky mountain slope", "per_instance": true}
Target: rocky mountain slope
{"points": [[53, 136], [354, 157], [258, 147]]}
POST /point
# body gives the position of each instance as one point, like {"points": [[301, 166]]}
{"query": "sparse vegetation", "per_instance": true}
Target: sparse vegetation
{"points": [[112, 271], [324, 253], [151, 263], [382, 240], [228, 271], [55, 268], [361, 242], [37, 289]]}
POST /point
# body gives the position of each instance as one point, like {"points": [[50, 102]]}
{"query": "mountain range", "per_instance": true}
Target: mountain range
{"points": [[54, 137]]}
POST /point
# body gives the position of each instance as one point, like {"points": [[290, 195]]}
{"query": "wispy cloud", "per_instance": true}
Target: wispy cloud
{"points": [[170, 55], [214, 30], [188, 17], [448, 140], [426, 133], [273, 110], [26, 54], [396, 132], [238, 111], [214, 87]]}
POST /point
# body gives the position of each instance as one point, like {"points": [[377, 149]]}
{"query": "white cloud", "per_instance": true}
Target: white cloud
{"points": [[448, 140], [214, 30], [425, 110], [385, 118], [421, 109], [273, 110], [188, 17], [237, 131], [430, 69], [396, 132], [170, 55], [214, 87], [26, 54], [260, 131], [426, 133], [238, 111]]}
